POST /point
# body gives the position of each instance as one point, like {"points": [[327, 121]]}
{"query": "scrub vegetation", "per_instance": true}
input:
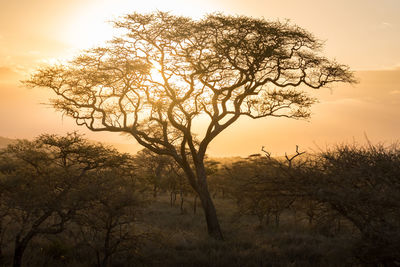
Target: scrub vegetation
{"points": [[66, 201]]}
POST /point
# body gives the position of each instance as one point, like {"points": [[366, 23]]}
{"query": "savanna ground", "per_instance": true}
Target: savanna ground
{"points": [[247, 243], [176, 239]]}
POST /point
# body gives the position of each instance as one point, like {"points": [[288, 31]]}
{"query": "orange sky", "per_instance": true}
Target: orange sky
{"points": [[362, 33]]}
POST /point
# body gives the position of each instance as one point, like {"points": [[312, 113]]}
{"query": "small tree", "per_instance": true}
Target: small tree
{"points": [[107, 224], [156, 81], [258, 185], [362, 184], [45, 182], [152, 167]]}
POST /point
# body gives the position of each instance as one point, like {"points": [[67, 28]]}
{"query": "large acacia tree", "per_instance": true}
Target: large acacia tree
{"points": [[165, 72]]}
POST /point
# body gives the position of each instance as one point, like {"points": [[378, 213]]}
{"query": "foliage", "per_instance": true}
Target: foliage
{"points": [[46, 182], [347, 189], [165, 73], [257, 186], [71, 202], [362, 184], [156, 171], [107, 225]]}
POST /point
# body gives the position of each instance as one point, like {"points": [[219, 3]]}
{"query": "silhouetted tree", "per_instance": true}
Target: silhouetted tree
{"points": [[362, 184], [107, 223], [259, 188], [156, 81], [175, 181], [45, 182], [152, 167]]}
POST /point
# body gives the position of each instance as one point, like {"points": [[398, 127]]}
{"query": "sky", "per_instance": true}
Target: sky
{"points": [[364, 34]]}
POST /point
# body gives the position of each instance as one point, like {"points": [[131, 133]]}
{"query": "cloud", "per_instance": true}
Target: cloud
{"points": [[7, 74], [394, 92], [345, 101], [6, 71], [385, 25], [34, 52]]}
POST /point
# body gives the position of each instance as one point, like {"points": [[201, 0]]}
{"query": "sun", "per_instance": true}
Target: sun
{"points": [[91, 24]]}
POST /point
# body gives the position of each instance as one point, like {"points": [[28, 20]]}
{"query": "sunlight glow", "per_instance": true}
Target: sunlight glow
{"points": [[38, 33], [91, 24]]}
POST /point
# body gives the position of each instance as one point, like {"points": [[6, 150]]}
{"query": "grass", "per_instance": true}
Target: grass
{"points": [[183, 240], [180, 239]]}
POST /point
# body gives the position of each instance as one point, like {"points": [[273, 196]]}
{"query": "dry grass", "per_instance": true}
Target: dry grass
{"points": [[176, 239], [183, 240]]}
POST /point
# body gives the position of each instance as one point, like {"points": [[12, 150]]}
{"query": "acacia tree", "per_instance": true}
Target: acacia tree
{"points": [[44, 183], [163, 73], [152, 166], [107, 224], [362, 184]]}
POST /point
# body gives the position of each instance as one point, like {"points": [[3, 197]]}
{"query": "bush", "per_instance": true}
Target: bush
{"points": [[362, 184]]}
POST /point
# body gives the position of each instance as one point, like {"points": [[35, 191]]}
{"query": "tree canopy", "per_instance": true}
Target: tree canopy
{"points": [[45, 182], [165, 72], [153, 81]]}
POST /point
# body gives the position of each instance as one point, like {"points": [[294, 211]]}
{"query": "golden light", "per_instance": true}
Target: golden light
{"points": [[91, 24]]}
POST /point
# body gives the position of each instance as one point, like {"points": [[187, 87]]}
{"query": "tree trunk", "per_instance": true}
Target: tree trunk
{"points": [[277, 219], [107, 249], [106, 260], [18, 252], [20, 246], [98, 258], [155, 191], [182, 211], [213, 227], [260, 218], [195, 204], [338, 226], [199, 183], [310, 219], [267, 218], [19, 249]]}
